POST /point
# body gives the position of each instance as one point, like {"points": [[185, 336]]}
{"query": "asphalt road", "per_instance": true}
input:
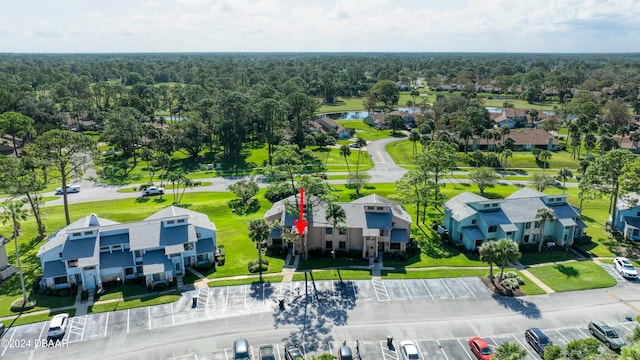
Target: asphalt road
{"points": [[439, 326]]}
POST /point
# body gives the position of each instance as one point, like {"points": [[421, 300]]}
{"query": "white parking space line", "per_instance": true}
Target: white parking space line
{"points": [[252, 355], [562, 336], [329, 350], [226, 301], [11, 338], [533, 355], [278, 352], [442, 349], [149, 314], [378, 288], [173, 319], [106, 325], [263, 298], [409, 293], [353, 286], [225, 354], [44, 326], [582, 332], [626, 327], [333, 291], [388, 353], [429, 291], [419, 351], [465, 285], [304, 351], [245, 295], [464, 348], [128, 321], [446, 287]]}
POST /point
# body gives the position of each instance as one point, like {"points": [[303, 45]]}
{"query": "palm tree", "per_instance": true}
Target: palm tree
{"points": [[259, 233], [507, 252], [564, 174], [510, 351], [543, 215], [335, 215], [507, 153], [360, 142], [147, 155], [345, 152], [545, 155], [414, 137], [488, 252], [487, 134], [635, 335], [13, 213]]}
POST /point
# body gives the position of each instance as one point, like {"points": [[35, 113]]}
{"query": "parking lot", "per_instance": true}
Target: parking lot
{"points": [[226, 301], [611, 269], [437, 349]]}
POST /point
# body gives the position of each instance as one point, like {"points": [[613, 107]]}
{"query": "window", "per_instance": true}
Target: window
{"points": [[88, 232], [328, 244], [379, 208], [478, 243], [635, 232], [509, 233], [394, 246], [473, 221], [371, 207], [328, 231], [486, 206], [384, 232], [638, 213], [117, 247], [527, 226], [139, 269], [198, 235], [60, 280], [169, 222], [188, 246], [104, 248], [203, 257], [76, 234], [494, 205], [276, 242], [158, 277], [537, 224], [552, 200], [72, 263], [138, 253], [89, 268], [492, 228], [342, 231], [128, 271], [342, 245], [526, 239], [180, 221]]}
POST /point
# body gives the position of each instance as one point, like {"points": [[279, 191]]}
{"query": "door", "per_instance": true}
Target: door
{"points": [[90, 280]]}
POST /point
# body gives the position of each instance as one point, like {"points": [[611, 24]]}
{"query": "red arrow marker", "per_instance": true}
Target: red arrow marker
{"points": [[301, 224]]}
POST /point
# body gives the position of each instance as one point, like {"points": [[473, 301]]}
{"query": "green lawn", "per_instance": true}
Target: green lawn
{"points": [[543, 257], [30, 319], [365, 131], [334, 275], [529, 287], [579, 275], [327, 262], [342, 104], [246, 281], [123, 292], [150, 300], [432, 273]]}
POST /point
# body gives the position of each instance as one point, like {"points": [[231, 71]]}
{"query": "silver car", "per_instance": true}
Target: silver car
{"points": [[624, 267], [606, 334], [409, 350]]}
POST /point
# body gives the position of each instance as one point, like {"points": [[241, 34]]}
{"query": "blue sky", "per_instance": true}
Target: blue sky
{"points": [[320, 25]]}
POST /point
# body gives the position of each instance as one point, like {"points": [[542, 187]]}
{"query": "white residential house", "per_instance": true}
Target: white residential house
{"points": [[471, 219], [373, 225], [93, 250], [628, 216]]}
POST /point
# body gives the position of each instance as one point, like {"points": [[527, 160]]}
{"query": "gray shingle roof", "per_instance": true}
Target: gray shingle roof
{"points": [[205, 246], [118, 259], [525, 192], [632, 221], [154, 262], [195, 218], [53, 269], [522, 209], [458, 207], [628, 201]]}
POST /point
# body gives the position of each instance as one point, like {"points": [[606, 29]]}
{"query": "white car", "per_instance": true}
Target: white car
{"points": [[624, 267], [58, 326], [409, 350], [153, 190]]}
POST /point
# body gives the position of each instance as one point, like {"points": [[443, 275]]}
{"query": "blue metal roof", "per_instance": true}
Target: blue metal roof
{"points": [[399, 236], [106, 240], [205, 246], [54, 268], [494, 217], [632, 221], [118, 259], [472, 232], [78, 248], [276, 233], [154, 262], [377, 220]]}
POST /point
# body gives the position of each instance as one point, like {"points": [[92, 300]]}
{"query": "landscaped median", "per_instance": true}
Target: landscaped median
{"points": [[245, 281], [573, 275], [146, 300], [30, 318]]}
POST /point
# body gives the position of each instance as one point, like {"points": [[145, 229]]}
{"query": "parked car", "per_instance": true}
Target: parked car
{"points": [[537, 340], [293, 352], [58, 326], [409, 350], [354, 145], [480, 349], [606, 334], [153, 190], [2, 329], [241, 349], [624, 267], [344, 353], [266, 352], [70, 189]]}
